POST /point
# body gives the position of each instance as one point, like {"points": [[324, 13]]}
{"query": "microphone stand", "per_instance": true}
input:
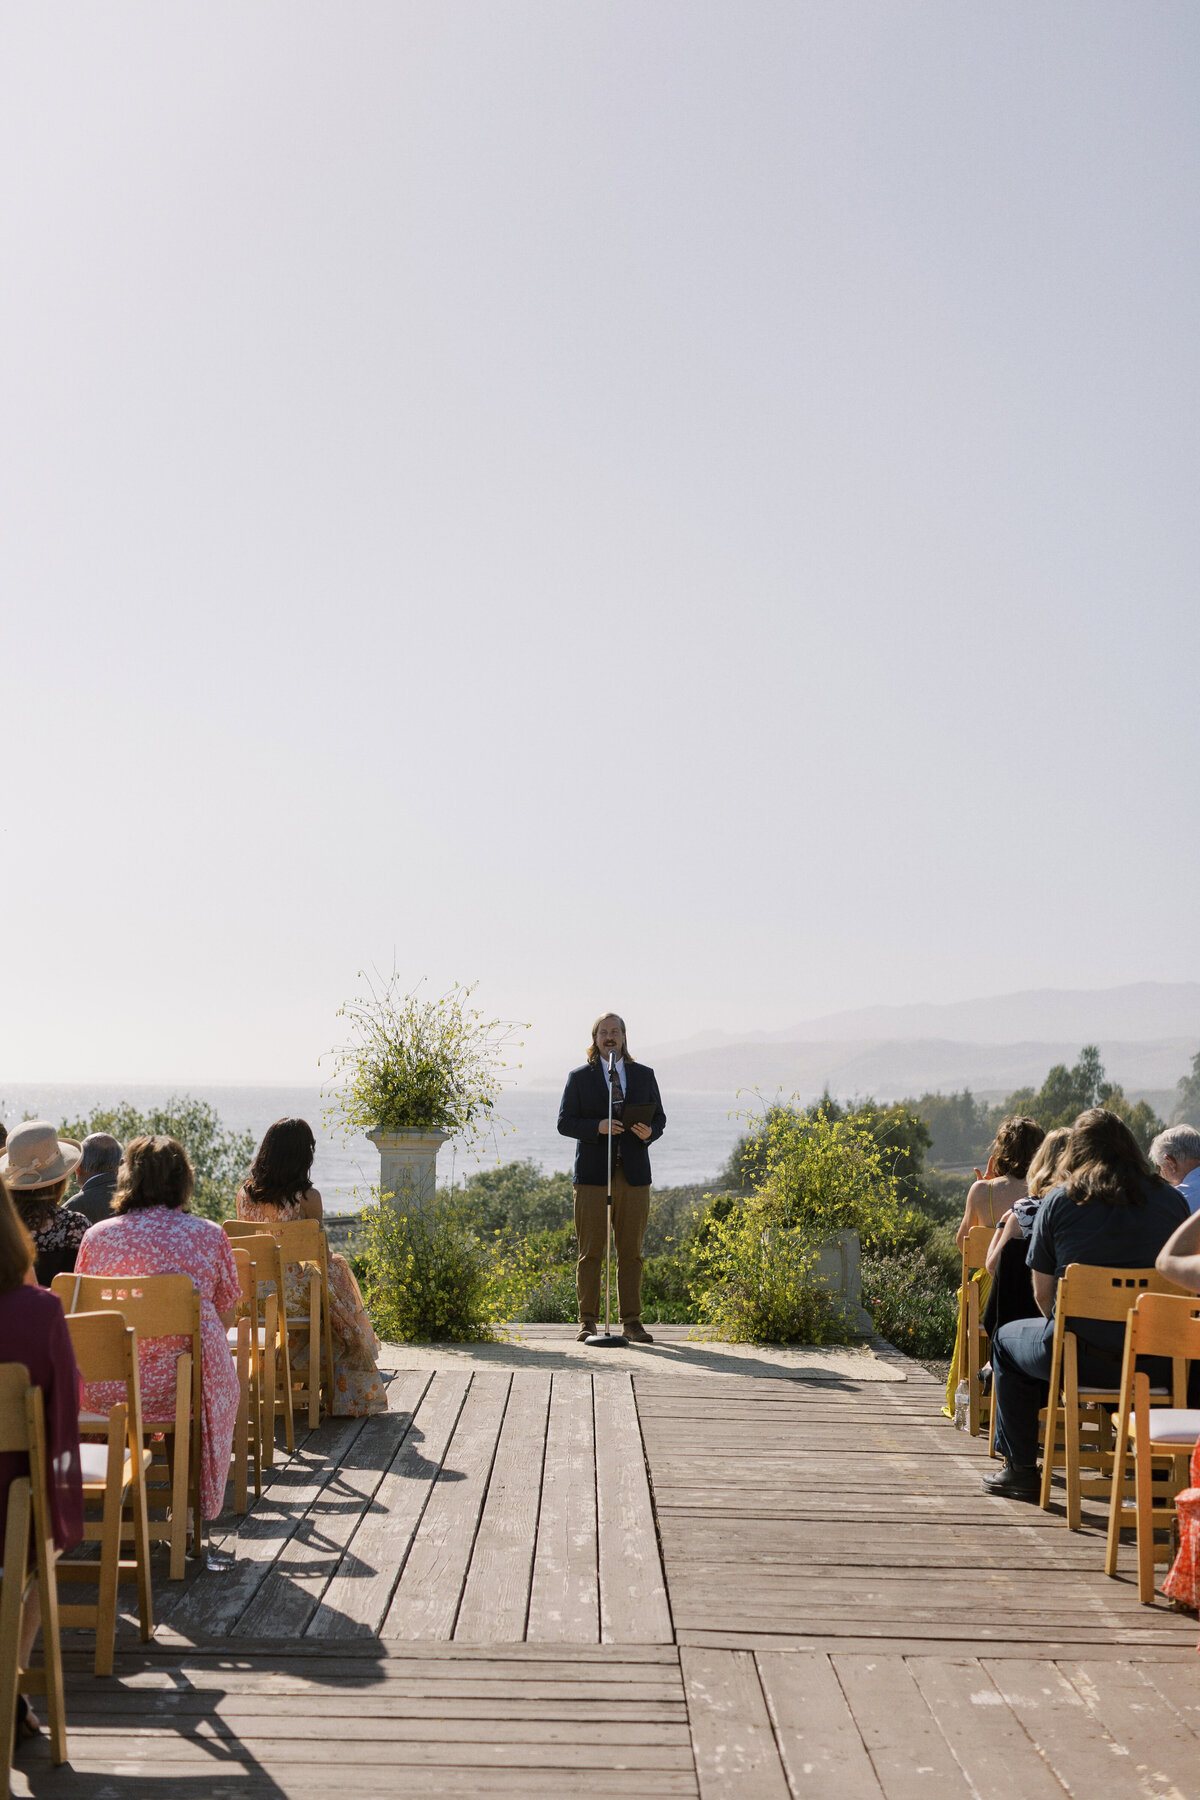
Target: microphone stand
{"points": [[608, 1339]]}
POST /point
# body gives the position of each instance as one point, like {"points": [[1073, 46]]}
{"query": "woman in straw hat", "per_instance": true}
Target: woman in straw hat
{"points": [[36, 1165]]}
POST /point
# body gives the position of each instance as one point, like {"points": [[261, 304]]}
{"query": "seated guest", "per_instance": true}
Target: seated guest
{"points": [[988, 1199], [998, 1191], [35, 1164], [279, 1186], [1175, 1153], [34, 1332], [152, 1233], [1011, 1296], [97, 1177], [1113, 1211]]}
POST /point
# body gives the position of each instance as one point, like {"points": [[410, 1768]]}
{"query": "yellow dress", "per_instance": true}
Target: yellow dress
{"points": [[984, 1282]]}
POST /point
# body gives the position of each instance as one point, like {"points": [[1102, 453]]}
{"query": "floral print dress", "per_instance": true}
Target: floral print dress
{"points": [[158, 1240], [358, 1387]]}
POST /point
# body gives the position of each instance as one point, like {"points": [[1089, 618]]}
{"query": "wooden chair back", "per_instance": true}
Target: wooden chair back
{"points": [[1167, 1326], [271, 1339], [1087, 1291], [114, 1479], [160, 1306], [27, 1527], [302, 1243]]}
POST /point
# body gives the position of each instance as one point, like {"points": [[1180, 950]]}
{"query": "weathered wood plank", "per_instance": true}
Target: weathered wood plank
{"points": [[564, 1602], [1159, 1744], [908, 1752], [425, 1603], [821, 1746], [987, 1740], [736, 1755], [495, 1602], [287, 1599], [633, 1593], [1077, 1746], [357, 1597]]}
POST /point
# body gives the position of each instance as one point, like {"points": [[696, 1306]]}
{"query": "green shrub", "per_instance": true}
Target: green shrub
{"points": [[911, 1305], [220, 1157], [429, 1278], [754, 1282]]}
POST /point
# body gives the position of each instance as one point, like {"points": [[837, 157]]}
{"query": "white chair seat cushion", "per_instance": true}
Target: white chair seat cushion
{"points": [[93, 1462], [1174, 1425]]}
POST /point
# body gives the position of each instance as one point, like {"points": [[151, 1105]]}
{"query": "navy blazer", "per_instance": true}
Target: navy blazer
{"points": [[585, 1103]]}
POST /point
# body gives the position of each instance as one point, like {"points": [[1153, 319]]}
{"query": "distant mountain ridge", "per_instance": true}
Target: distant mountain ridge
{"points": [[1143, 1010], [891, 1069], [1147, 1032]]}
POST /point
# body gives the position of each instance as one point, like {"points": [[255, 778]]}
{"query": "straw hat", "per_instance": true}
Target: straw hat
{"points": [[36, 1157]]}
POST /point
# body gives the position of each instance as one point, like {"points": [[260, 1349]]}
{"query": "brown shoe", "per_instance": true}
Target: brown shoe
{"points": [[636, 1332], [587, 1328]]}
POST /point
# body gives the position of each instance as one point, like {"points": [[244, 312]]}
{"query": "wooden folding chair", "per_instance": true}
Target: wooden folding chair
{"points": [[1088, 1291], [303, 1244], [247, 1426], [975, 1343], [114, 1479], [159, 1306], [270, 1354], [27, 1528], [1161, 1439]]}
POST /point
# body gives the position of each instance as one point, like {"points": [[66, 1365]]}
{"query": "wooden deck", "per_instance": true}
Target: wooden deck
{"points": [[535, 1580]]}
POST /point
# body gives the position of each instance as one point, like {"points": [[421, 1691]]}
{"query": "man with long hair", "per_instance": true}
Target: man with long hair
{"points": [[583, 1115]]}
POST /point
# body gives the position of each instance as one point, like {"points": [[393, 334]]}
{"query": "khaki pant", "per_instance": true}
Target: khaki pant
{"points": [[631, 1209]]}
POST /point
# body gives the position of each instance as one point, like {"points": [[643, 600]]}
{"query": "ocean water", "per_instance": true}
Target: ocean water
{"points": [[701, 1130]]}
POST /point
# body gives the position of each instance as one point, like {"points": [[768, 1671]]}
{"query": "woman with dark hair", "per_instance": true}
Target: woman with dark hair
{"points": [[34, 1332], [279, 1186], [1003, 1184], [1011, 1296], [995, 1193], [153, 1233], [36, 1165], [1113, 1211]]}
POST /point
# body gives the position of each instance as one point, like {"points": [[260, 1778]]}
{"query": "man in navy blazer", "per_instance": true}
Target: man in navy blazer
{"points": [[583, 1115]]}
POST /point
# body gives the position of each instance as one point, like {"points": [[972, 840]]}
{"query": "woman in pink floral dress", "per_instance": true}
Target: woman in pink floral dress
{"points": [[277, 1187], [152, 1234]]}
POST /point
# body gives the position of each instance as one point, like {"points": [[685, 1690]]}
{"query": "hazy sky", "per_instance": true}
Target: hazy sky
{"points": [[684, 507]]}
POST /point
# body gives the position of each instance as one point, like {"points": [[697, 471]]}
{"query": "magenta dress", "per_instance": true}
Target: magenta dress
{"points": [[33, 1331], [160, 1240]]}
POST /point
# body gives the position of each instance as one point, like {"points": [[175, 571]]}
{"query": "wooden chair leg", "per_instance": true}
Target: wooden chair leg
{"points": [[241, 1429], [108, 1572], [285, 1374], [314, 1350], [1143, 1484], [12, 1596], [270, 1357], [1071, 1431], [181, 1481], [1117, 1496], [1051, 1442], [140, 1531], [52, 1680]]}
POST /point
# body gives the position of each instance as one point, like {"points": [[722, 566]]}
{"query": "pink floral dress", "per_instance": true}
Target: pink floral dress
{"points": [[358, 1387], [158, 1240]]}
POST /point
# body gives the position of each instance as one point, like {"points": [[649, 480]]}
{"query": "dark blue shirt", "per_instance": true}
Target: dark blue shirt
{"points": [[1113, 1237]]}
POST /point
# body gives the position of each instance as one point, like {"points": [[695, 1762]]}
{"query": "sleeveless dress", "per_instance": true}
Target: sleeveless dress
{"points": [[358, 1387]]}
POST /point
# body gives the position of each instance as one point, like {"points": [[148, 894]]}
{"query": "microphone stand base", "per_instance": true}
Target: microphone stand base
{"points": [[607, 1340]]}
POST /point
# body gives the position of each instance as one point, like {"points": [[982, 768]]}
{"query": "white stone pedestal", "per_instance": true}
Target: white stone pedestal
{"points": [[839, 1267], [408, 1165]]}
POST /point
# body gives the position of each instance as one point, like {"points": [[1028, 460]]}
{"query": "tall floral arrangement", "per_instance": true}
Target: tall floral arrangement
{"points": [[415, 1063]]}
